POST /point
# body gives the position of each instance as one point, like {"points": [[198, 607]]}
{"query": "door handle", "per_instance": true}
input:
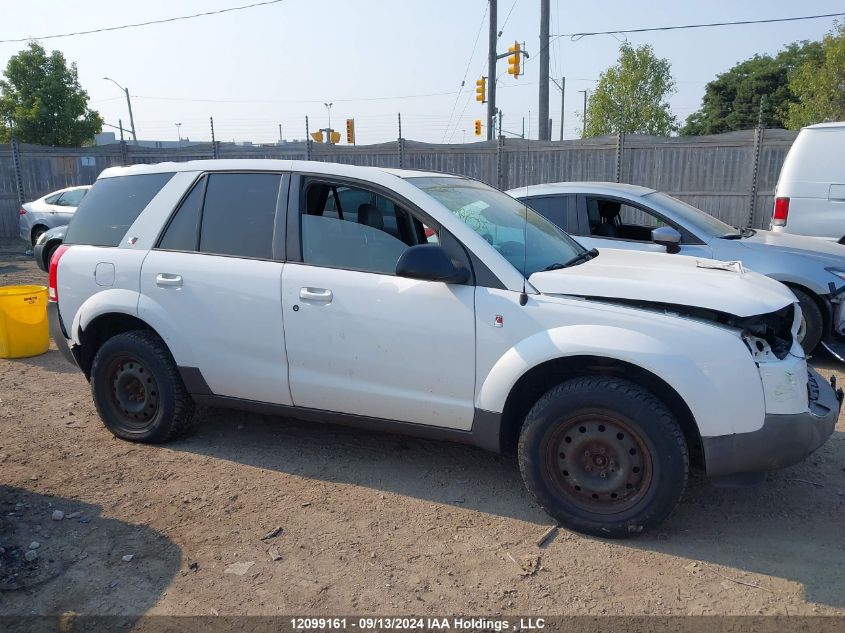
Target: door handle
{"points": [[168, 280], [315, 294]]}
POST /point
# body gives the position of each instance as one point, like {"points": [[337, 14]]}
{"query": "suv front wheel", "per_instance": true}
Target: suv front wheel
{"points": [[603, 456], [137, 388]]}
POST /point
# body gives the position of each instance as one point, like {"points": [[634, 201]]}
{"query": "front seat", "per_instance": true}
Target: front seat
{"points": [[609, 212], [370, 215]]}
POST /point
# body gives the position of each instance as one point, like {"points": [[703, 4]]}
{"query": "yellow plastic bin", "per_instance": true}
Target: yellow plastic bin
{"points": [[23, 321]]}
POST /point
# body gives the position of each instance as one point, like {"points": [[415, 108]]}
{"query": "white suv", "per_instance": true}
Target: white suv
{"points": [[437, 306]]}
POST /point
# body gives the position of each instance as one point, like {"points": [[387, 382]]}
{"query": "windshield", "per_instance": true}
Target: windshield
{"points": [[692, 217], [508, 225]]}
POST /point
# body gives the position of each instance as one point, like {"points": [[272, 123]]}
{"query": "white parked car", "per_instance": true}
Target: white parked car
{"points": [[432, 305], [612, 215], [810, 194], [54, 209]]}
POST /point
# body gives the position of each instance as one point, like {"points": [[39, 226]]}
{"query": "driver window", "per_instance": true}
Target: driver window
{"points": [[615, 219], [357, 229]]}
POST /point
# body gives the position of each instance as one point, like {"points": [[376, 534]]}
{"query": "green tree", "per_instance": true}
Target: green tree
{"points": [[632, 95], [819, 84], [732, 100], [41, 98]]}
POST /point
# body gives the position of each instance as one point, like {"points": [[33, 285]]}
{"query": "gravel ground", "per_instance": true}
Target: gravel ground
{"points": [[370, 523]]}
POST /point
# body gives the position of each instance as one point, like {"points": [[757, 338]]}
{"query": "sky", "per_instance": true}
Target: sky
{"points": [[255, 69]]}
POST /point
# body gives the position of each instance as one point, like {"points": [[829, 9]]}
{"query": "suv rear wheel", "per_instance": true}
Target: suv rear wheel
{"points": [[603, 456], [137, 388]]}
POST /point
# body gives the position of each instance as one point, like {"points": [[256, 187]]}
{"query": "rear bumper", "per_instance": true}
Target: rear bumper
{"points": [[783, 440], [57, 333]]}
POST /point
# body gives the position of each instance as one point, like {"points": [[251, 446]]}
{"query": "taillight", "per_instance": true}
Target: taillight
{"points": [[781, 212], [21, 211], [52, 291]]}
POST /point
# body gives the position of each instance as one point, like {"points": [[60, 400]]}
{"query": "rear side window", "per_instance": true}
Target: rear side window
{"points": [[238, 215], [110, 208], [183, 232], [551, 208]]}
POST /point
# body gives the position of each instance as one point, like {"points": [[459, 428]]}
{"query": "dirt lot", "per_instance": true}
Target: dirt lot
{"points": [[371, 523]]}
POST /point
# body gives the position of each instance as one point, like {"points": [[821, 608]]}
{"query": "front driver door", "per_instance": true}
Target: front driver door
{"points": [[359, 339]]}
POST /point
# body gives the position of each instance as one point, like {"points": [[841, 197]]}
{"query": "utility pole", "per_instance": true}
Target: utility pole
{"points": [[584, 117], [562, 87], [120, 125], [491, 71], [280, 133], [129, 105], [545, 132]]}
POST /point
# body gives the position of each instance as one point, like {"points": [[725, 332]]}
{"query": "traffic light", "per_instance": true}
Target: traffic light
{"points": [[515, 60], [317, 136], [481, 90], [334, 137], [478, 127], [350, 131]]}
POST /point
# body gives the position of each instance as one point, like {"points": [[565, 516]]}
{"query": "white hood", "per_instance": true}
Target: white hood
{"points": [[623, 274]]}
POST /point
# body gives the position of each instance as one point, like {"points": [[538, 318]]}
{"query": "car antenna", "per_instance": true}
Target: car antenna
{"points": [[523, 296]]}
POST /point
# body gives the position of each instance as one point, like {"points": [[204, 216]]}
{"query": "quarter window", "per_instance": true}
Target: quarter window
{"points": [[238, 215], [111, 206]]}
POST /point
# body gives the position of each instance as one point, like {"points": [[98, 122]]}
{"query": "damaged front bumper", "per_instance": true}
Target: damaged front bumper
{"points": [[783, 440]]}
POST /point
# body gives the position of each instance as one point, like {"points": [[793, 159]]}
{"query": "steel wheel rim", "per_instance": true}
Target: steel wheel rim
{"points": [[598, 462], [133, 392]]}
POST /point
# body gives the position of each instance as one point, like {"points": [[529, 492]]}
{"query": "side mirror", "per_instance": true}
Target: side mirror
{"points": [[430, 262], [668, 237]]}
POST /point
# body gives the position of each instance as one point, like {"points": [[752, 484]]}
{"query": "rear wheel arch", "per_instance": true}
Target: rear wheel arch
{"points": [[100, 330], [535, 382]]}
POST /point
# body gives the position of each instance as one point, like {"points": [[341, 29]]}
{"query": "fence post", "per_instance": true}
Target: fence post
{"points": [[215, 152], [308, 141], [16, 161], [500, 160], [755, 177], [620, 151]]}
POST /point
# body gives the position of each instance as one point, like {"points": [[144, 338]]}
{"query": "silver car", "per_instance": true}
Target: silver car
{"points": [[610, 215], [54, 209]]}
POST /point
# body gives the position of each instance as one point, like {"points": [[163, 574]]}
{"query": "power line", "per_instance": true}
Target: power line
{"points": [[349, 100], [577, 36], [148, 23], [469, 62]]}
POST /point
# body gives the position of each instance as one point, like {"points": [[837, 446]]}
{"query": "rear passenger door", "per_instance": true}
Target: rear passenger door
{"points": [[214, 280], [359, 339]]}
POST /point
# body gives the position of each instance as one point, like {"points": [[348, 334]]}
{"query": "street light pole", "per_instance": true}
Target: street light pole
{"points": [[179, 132], [329, 130], [129, 105]]}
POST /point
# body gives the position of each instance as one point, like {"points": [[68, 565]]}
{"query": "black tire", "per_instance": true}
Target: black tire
{"points": [[813, 326], [37, 232], [47, 256], [137, 389], [627, 465]]}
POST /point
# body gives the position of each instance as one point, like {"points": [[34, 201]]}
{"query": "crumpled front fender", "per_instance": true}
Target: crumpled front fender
{"points": [[721, 387]]}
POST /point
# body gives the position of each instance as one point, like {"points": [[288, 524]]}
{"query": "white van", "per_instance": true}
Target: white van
{"points": [[810, 195]]}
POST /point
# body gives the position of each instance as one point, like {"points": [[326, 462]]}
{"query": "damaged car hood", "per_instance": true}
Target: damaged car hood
{"points": [[679, 280]]}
